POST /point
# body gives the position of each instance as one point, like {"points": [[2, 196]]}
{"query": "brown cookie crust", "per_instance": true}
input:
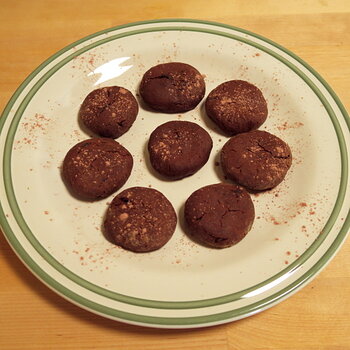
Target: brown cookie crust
{"points": [[179, 148], [172, 87], [109, 111], [236, 106], [140, 219], [256, 160], [95, 168], [219, 215]]}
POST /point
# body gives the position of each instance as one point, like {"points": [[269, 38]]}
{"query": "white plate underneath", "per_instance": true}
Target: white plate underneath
{"points": [[298, 227]]}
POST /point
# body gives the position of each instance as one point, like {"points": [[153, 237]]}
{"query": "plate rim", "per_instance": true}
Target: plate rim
{"points": [[11, 237]]}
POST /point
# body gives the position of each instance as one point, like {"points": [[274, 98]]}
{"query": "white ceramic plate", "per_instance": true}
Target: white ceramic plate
{"points": [[299, 225]]}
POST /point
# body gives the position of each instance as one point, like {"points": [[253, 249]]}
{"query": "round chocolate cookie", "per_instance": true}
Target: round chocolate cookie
{"points": [[236, 106], [257, 160], [179, 148], [95, 168], [219, 215], [172, 87], [140, 219], [109, 111]]}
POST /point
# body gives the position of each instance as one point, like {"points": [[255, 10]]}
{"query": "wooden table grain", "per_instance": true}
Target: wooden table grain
{"points": [[34, 317]]}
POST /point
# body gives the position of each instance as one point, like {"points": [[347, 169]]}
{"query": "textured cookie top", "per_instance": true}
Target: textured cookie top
{"points": [[179, 148], [172, 87], [257, 160], [140, 219], [236, 106], [219, 215], [95, 168], [109, 111]]}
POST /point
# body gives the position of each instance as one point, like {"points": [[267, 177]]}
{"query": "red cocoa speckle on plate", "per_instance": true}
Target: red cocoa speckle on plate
{"points": [[242, 70], [86, 62], [291, 211], [47, 164], [276, 222], [286, 125], [33, 128], [96, 256]]}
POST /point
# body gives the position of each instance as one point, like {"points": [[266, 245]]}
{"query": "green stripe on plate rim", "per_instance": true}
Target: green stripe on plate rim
{"points": [[176, 322], [154, 303]]}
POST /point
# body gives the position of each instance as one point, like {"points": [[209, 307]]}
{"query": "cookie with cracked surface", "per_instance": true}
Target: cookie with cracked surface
{"points": [[219, 215], [236, 106], [95, 168], [109, 111], [256, 160], [140, 219], [179, 148], [173, 87]]}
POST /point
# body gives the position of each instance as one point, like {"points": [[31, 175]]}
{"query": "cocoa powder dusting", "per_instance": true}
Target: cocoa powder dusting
{"points": [[287, 125], [34, 128]]}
